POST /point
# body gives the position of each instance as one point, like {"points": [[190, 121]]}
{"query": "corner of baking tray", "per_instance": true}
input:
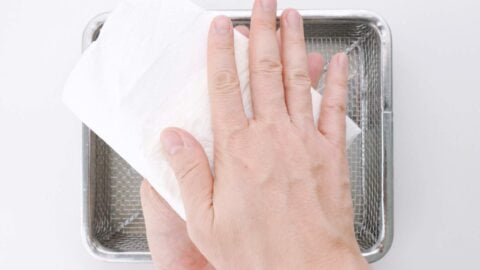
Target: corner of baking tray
{"points": [[381, 248], [91, 244], [102, 253], [91, 30]]}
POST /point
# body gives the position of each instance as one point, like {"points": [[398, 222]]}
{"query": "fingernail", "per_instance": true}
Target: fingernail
{"points": [[342, 60], [171, 141], [222, 25], [268, 5], [293, 19]]}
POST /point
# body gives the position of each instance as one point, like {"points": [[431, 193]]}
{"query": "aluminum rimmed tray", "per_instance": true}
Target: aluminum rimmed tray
{"points": [[113, 226]]}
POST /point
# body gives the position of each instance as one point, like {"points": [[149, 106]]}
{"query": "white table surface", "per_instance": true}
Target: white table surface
{"points": [[436, 109]]}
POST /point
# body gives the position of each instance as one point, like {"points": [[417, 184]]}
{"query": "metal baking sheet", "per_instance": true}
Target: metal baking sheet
{"points": [[113, 223]]}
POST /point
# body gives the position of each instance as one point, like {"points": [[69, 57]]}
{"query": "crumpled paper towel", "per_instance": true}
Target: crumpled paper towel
{"points": [[146, 72]]}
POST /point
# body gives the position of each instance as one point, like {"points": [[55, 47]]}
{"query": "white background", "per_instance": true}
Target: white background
{"points": [[436, 49]]}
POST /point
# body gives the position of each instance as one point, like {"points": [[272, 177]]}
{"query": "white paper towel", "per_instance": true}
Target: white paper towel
{"points": [[146, 72]]}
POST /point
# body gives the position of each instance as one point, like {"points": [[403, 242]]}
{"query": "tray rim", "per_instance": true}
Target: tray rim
{"points": [[97, 250]]}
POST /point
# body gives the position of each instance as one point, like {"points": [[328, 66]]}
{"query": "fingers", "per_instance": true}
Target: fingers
{"points": [[223, 84], [315, 68], [242, 29], [189, 162], [334, 102], [168, 241], [268, 97], [295, 68], [315, 59]]}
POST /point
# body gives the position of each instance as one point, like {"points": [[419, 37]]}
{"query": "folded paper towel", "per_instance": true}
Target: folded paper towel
{"points": [[146, 72]]}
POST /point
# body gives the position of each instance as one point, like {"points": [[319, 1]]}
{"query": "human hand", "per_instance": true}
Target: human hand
{"points": [[169, 244], [281, 196]]}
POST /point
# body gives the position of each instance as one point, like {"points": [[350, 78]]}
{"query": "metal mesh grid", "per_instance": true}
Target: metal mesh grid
{"points": [[118, 222]]}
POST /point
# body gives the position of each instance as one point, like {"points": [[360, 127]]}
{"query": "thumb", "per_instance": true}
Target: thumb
{"points": [[190, 164]]}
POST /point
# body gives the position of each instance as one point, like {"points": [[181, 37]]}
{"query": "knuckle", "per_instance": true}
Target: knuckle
{"points": [[266, 24], [296, 41], [336, 107], [340, 83], [187, 171], [298, 78], [339, 242], [225, 46], [224, 81], [317, 167], [267, 66]]}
